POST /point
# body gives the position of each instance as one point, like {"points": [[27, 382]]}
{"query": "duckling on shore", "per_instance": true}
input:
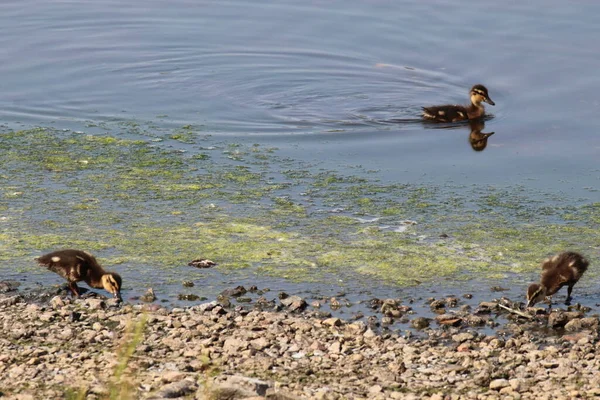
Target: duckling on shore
{"points": [[454, 113], [564, 269], [76, 266]]}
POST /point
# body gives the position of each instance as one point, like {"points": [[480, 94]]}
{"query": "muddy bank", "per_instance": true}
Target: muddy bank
{"points": [[92, 348]]}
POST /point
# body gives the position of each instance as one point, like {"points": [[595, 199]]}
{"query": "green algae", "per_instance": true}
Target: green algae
{"points": [[138, 204]]}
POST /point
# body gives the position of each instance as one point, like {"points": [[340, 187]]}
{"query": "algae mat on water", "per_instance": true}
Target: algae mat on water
{"points": [[160, 203]]}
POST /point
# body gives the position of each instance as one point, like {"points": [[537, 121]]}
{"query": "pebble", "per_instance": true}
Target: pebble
{"points": [[498, 384], [45, 353]]}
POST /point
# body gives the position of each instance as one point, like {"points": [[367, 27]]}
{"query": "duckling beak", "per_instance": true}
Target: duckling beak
{"points": [[530, 303], [489, 101], [118, 296]]}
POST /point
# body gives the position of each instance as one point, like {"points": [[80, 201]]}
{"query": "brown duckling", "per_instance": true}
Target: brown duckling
{"points": [[563, 269], [76, 266], [454, 113]]}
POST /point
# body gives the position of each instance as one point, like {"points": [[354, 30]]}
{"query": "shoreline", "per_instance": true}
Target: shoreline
{"points": [[76, 348]]}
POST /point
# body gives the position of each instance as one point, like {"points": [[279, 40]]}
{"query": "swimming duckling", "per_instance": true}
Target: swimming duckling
{"points": [[563, 269], [478, 139], [76, 266], [453, 113]]}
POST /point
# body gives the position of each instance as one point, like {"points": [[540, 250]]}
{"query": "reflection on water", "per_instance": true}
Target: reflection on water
{"points": [[478, 139]]}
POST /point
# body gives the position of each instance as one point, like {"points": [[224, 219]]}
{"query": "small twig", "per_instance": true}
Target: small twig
{"points": [[520, 313]]}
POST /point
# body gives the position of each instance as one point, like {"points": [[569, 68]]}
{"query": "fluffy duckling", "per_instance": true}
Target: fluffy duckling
{"points": [[453, 113], [563, 269], [76, 266]]}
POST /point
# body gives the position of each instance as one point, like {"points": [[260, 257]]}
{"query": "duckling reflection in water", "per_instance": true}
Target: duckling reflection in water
{"points": [[453, 113], [477, 138], [564, 269], [76, 266]]}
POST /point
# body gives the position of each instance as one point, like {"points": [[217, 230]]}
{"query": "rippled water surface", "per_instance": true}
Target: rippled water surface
{"points": [[337, 85]]}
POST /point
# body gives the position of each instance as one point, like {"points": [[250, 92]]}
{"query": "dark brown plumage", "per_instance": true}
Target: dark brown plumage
{"points": [[76, 266], [454, 113], [564, 269]]}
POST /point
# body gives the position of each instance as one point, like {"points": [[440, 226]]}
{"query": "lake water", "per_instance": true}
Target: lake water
{"points": [[337, 85]]}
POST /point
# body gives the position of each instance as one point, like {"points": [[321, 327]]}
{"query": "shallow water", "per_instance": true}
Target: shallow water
{"points": [[333, 86]]}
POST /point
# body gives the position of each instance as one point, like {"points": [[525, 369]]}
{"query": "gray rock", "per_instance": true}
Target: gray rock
{"points": [[8, 286], [557, 319], [9, 301], [234, 292], [437, 304], [177, 389], [205, 307], [255, 386], [95, 304], [578, 324], [463, 337], [420, 323], [294, 303]]}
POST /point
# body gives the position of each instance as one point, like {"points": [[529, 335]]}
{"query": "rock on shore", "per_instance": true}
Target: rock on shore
{"points": [[74, 348]]}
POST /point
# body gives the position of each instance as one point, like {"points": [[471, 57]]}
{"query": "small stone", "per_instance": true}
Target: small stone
{"points": [[498, 384], [557, 319], [256, 386], [149, 296], [188, 297], [334, 304], [57, 302], [375, 389], [332, 322], [437, 304], [463, 337], [451, 301], [259, 344], [233, 345], [488, 305], [235, 292], [448, 319], [582, 323], [172, 376], [335, 347], [463, 347], [515, 384], [202, 263], [10, 301], [95, 304], [205, 307], [369, 333], [177, 389], [420, 323], [8, 286], [549, 364], [294, 303]]}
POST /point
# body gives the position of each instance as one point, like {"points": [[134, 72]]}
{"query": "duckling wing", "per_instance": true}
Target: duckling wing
{"points": [[447, 113], [64, 263]]}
